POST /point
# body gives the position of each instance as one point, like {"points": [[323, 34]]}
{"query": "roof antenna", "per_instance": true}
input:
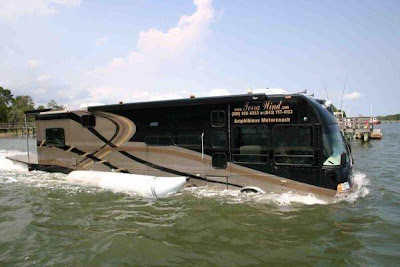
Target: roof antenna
{"points": [[326, 91], [344, 88], [328, 102]]}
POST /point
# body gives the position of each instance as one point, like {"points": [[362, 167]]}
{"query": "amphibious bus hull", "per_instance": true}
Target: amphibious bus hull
{"points": [[265, 143]]}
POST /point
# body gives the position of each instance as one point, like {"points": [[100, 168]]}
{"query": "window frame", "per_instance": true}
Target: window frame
{"points": [[261, 155], [211, 118], [212, 139], [295, 156], [88, 126], [148, 136], [50, 144], [226, 160]]}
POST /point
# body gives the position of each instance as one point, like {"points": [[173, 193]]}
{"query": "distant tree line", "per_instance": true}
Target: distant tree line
{"points": [[12, 108], [394, 117]]}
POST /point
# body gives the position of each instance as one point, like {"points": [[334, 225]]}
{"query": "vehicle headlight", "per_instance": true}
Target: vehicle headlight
{"points": [[343, 187]]}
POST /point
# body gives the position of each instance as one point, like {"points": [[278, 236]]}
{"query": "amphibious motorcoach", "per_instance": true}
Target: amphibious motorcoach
{"points": [[251, 142]]}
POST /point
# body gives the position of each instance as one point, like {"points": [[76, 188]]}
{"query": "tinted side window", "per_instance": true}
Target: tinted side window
{"points": [[158, 140], [88, 121], [218, 139], [187, 140], [250, 144], [293, 144], [55, 137], [218, 118], [219, 161]]}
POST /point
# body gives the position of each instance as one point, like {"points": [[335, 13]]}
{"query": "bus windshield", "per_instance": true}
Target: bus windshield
{"points": [[333, 145]]}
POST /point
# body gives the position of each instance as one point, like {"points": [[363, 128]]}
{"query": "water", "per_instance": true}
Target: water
{"points": [[46, 221]]}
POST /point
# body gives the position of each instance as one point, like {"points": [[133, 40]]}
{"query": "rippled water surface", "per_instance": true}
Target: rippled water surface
{"points": [[46, 221]]}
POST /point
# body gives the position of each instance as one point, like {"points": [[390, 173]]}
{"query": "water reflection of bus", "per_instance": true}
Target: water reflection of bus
{"points": [[252, 142]]}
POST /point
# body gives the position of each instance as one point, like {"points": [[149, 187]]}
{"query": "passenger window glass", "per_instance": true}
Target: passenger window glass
{"points": [[293, 145], [55, 137], [219, 161], [158, 140], [218, 139], [218, 118], [187, 140], [88, 121], [250, 144]]}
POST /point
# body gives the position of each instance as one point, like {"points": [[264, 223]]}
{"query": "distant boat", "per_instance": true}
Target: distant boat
{"points": [[373, 121], [376, 121]]}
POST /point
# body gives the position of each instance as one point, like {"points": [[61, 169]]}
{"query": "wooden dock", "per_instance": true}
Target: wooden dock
{"points": [[358, 127], [17, 129]]}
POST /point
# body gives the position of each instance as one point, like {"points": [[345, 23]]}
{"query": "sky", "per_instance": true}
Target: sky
{"points": [[98, 51]]}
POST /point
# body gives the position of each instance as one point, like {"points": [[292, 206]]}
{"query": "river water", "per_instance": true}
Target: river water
{"points": [[46, 221]]}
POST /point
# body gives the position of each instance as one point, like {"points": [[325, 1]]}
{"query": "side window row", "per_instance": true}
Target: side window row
{"points": [[250, 144], [293, 144], [218, 140]]}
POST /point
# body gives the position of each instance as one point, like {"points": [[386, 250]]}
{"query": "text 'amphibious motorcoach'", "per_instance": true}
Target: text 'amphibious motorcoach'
{"points": [[252, 142]]}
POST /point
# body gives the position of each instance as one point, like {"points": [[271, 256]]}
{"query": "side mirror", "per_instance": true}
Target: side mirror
{"points": [[351, 153], [343, 159]]}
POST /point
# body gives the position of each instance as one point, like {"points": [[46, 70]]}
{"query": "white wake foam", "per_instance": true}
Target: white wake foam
{"points": [[234, 196], [9, 165], [360, 188], [288, 198]]}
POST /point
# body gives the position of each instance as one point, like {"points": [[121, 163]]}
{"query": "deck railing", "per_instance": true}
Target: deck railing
{"points": [[358, 123], [17, 126]]}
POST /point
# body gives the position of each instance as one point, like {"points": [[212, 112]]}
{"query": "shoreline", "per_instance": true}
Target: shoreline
{"points": [[396, 121]]}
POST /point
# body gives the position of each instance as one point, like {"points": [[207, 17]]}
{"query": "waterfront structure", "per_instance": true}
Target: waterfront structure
{"points": [[359, 127]]}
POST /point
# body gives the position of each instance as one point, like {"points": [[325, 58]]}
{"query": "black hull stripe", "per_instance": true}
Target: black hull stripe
{"points": [[90, 156], [96, 159], [116, 128], [102, 138], [158, 167], [78, 119], [164, 169]]}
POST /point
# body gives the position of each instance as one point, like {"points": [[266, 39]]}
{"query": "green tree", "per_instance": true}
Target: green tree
{"points": [[54, 105], [19, 105], [6, 99], [394, 117], [40, 107]]}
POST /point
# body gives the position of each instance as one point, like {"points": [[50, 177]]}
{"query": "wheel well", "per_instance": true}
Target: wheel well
{"points": [[190, 186], [251, 189]]}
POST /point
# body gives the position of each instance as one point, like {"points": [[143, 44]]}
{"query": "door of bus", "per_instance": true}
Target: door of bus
{"points": [[216, 146]]}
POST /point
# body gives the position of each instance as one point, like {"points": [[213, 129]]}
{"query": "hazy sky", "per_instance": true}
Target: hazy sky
{"points": [[77, 51]]}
